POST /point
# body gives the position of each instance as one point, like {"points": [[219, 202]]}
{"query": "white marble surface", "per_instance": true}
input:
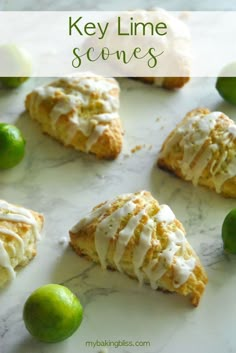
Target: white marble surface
{"points": [[64, 185]]}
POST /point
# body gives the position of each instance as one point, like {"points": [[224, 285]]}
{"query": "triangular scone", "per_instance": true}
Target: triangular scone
{"points": [[177, 48], [81, 112], [173, 52], [202, 149], [136, 235], [19, 230]]}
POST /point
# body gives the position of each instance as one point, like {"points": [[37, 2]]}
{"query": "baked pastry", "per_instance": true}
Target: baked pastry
{"points": [[166, 82], [19, 230], [176, 46], [135, 235], [81, 112], [172, 50], [202, 149]]}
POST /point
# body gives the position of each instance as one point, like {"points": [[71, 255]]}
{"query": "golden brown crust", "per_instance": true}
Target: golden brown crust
{"points": [[167, 82], [83, 241], [18, 242], [219, 140], [92, 98]]}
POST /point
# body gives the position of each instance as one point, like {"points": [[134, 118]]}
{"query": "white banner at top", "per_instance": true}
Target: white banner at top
{"points": [[134, 44]]}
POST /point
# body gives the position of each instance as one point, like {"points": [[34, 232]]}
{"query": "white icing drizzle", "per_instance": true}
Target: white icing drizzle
{"points": [[157, 268], [192, 141], [106, 117], [183, 268], [221, 178], [176, 243], [96, 213], [5, 260], [63, 107], [191, 137], [7, 231], [47, 91], [124, 237], [140, 251], [12, 213], [93, 138], [107, 229], [201, 164], [78, 101], [18, 214], [165, 214]]}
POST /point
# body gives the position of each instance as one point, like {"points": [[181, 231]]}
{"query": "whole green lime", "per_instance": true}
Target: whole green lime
{"points": [[226, 83], [229, 232], [16, 63], [226, 86], [52, 313], [13, 82], [12, 146]]}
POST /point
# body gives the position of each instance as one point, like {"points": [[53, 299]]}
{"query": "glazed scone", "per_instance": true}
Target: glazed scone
{"points": [[19, 231], [135, 235], [178, 46], [202, 149], [166, 82], [174, 66], [81, 112]]}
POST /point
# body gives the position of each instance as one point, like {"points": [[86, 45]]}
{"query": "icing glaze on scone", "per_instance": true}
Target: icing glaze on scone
{"points": [[109, 227], [176, 64], [81, 112], [14, 214], [18, 214], [5, 261], [77, 100], [206, 147]]}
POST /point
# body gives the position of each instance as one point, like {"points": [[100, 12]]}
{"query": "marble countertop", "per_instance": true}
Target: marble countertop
{"points": [[65, 184]]}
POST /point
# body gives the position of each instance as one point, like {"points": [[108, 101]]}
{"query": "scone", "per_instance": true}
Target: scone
{"points": [[19, 230], [135, 235], [81, 112], [202, 149], [177, 45], [166, 82], [173, 67]]}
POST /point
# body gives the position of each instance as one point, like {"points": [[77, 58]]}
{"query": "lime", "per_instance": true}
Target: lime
{"points": [[226, 83], [12, 146], [52, 313], [229, 232], [13, 82], [16, 65]]}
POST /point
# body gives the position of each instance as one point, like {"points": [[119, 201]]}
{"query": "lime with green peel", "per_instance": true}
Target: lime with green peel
{"points": [[229, 232], [12, 146], [16, 65], [226, 83], [13, 82], [52, 313]]}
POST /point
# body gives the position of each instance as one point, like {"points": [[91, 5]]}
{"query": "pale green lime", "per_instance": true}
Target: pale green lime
{"points": [[12, 146], [226, 83], [13, 82], [16, 63], [52, 313], [229, 232]]}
